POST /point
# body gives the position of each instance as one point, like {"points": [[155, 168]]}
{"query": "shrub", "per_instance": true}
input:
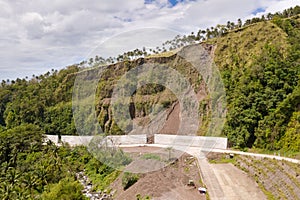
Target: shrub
{"points": [[129, 179], [66, 189]]}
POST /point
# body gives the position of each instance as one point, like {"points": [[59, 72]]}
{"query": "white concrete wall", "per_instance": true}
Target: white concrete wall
{"points": [[71, 139], [84, 140], [193, 141], [52, 138], [128, 139]]}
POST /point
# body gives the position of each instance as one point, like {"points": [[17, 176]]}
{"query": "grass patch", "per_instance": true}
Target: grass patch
{"points": [[220, 158], [288, 154], [139, 197], [164, 54], [150, 156]]}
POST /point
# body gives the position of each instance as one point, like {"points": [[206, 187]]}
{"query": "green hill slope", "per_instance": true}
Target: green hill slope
{"points": [[260, 69]]}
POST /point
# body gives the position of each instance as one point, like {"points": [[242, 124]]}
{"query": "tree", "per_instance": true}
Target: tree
{"points": [[239, 23], [66, 189]]}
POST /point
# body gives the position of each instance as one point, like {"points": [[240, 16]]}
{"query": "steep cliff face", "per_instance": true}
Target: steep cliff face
{"points": [[149, 97]]}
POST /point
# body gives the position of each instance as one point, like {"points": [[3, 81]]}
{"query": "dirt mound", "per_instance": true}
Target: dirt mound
{"points": [[170, 182], [139, 165]]}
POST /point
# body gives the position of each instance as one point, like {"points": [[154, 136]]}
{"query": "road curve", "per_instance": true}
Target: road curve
{"points": [[196, 150]]}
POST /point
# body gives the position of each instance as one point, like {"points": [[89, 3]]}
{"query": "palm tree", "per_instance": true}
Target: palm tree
{"points": [[5, 190], [30, 180], [12, 175], [3, 83], [240, 23]]}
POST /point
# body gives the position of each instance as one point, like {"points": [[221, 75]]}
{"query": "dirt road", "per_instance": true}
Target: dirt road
{"points": [[226, 182]]}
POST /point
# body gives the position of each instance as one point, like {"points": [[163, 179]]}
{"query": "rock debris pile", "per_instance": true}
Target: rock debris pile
{"points": [[88, 189]]}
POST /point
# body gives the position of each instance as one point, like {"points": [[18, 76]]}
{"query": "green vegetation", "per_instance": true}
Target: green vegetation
{"points": [[262, 82], [66, 189], [44, 100], [31, 168], [128, 179], [151, 156], [139, 197], [216, 158], [101, 175]]}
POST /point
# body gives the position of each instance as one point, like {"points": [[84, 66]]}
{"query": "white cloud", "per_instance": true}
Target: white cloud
{"points": [[38, 35], [34, 24], [273, 6]]}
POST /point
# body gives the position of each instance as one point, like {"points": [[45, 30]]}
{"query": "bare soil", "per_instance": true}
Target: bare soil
{"points": [[172, 123], [169, 182]]}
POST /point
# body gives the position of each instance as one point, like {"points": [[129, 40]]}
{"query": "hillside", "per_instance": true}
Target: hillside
{"points": [[259, 65], [260, 69]]}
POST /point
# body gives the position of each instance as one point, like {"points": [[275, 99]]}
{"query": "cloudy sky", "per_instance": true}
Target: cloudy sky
{"points": [[38, 35]]}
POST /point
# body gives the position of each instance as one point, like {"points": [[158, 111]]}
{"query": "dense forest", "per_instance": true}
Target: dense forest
{"points": [[33, 169]]}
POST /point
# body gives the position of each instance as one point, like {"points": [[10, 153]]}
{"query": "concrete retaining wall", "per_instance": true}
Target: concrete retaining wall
{"points": [[84, 140], [193, 141], [128, 139], [71, 139]]}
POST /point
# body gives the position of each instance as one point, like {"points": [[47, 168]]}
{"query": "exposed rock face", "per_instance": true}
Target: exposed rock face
{"points": [[144, 99]]}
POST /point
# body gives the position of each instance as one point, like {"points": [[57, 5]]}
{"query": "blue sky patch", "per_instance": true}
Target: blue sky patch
{"points": [[172, 2], [148, 1], [123, 19], [258, 10]]}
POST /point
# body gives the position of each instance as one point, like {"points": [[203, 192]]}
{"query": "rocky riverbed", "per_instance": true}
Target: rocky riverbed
{"points": [[88, 189]]}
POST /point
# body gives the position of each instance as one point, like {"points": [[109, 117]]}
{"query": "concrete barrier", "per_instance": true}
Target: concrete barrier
{"points": [[182, 140], [128, 139], [71, 139], [192, 141], [52, 138], [84, 140]]}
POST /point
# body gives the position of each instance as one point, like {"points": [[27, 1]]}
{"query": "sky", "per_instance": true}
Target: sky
{"points": [[38, 35]]}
